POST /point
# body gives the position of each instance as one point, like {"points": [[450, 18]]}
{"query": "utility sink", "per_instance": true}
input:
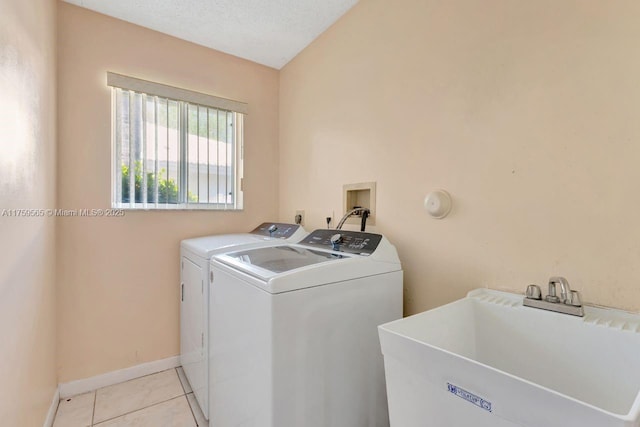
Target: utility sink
{"points": [[486, 360]]}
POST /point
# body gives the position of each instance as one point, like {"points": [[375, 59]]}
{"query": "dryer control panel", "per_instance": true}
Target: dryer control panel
{"points": [[353, 242], [276, 230]]}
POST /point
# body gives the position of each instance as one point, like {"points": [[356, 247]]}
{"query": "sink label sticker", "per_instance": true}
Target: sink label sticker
{"points": [[469, 397]]}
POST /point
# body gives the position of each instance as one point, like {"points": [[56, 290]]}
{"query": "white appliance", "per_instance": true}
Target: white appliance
{"points": [[294, 332], [195, 255]]}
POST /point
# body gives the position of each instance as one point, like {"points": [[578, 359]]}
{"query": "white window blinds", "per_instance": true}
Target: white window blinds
{"points": [[174, 148]]}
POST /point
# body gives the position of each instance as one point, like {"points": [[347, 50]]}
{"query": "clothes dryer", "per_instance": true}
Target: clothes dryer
{"points": [[195, 255]]}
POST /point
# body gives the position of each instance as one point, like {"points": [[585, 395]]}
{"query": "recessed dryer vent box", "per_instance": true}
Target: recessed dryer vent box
{"points": [[361, 195]]}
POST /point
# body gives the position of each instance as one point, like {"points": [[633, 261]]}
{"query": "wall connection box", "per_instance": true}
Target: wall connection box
{"points": [[362, 195]]}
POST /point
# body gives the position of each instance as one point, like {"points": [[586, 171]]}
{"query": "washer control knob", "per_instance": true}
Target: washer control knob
{"points": [[272, 228], [336, 239]]}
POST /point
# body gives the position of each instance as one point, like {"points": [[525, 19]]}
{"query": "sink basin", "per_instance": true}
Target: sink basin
{"points": [[486, 360]]}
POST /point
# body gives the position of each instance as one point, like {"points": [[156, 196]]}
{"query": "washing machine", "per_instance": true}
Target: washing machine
{"points": [[294, 332], [195, 255]]}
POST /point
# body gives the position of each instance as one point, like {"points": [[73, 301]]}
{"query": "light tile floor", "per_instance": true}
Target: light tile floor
{"points": [[164, 399]]}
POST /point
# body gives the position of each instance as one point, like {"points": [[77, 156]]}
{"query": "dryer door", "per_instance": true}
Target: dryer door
{"points": [[192, 330]]}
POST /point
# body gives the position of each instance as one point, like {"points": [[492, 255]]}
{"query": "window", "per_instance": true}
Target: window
{"points": [[173, 148]]}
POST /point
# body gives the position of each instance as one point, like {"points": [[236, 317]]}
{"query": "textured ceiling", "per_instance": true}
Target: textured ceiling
{"points": [[270, 32]]}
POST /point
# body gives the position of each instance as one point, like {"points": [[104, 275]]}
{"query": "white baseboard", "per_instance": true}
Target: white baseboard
{"points": [[85, 385], [48, 422]]}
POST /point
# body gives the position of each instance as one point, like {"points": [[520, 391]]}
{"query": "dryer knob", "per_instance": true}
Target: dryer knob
{"points": [[336, 239]]}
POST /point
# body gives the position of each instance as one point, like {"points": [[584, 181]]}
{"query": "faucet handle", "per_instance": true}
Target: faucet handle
{"points": [[533, 292], [574, 299]]}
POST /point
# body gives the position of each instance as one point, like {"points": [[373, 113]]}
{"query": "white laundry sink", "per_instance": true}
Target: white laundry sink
{"points": [[486, 360]]}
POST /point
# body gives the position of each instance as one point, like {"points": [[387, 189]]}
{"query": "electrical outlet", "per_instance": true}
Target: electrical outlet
{"points": [[299, 218], [329, 220]]}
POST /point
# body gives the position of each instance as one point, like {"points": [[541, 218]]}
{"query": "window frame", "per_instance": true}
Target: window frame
{"points": [[185, 100]]}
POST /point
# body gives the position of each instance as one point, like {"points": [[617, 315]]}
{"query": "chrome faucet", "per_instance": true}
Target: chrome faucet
{"points": [[565, 290], [568, 302]]}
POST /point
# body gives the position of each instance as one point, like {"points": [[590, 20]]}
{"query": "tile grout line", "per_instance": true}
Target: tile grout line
{"points": [[93, 413], [95, 397], [144, 407], [129, 380], [193, 414], [180, 380], [186, 395]]}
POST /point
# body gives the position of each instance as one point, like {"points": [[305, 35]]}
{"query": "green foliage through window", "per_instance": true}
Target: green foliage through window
{"points": [[167, 187]]}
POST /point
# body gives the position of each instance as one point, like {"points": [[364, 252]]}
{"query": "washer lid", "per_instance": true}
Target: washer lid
{"points": [[284, 268], [209, 245], [267, 262]]}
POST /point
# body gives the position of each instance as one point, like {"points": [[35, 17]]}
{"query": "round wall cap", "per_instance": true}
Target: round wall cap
{"points": [[438, 204]]}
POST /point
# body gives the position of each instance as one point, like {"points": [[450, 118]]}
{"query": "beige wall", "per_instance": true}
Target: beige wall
{"points": [[27, 181], [526, 112], [118, 277]]}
